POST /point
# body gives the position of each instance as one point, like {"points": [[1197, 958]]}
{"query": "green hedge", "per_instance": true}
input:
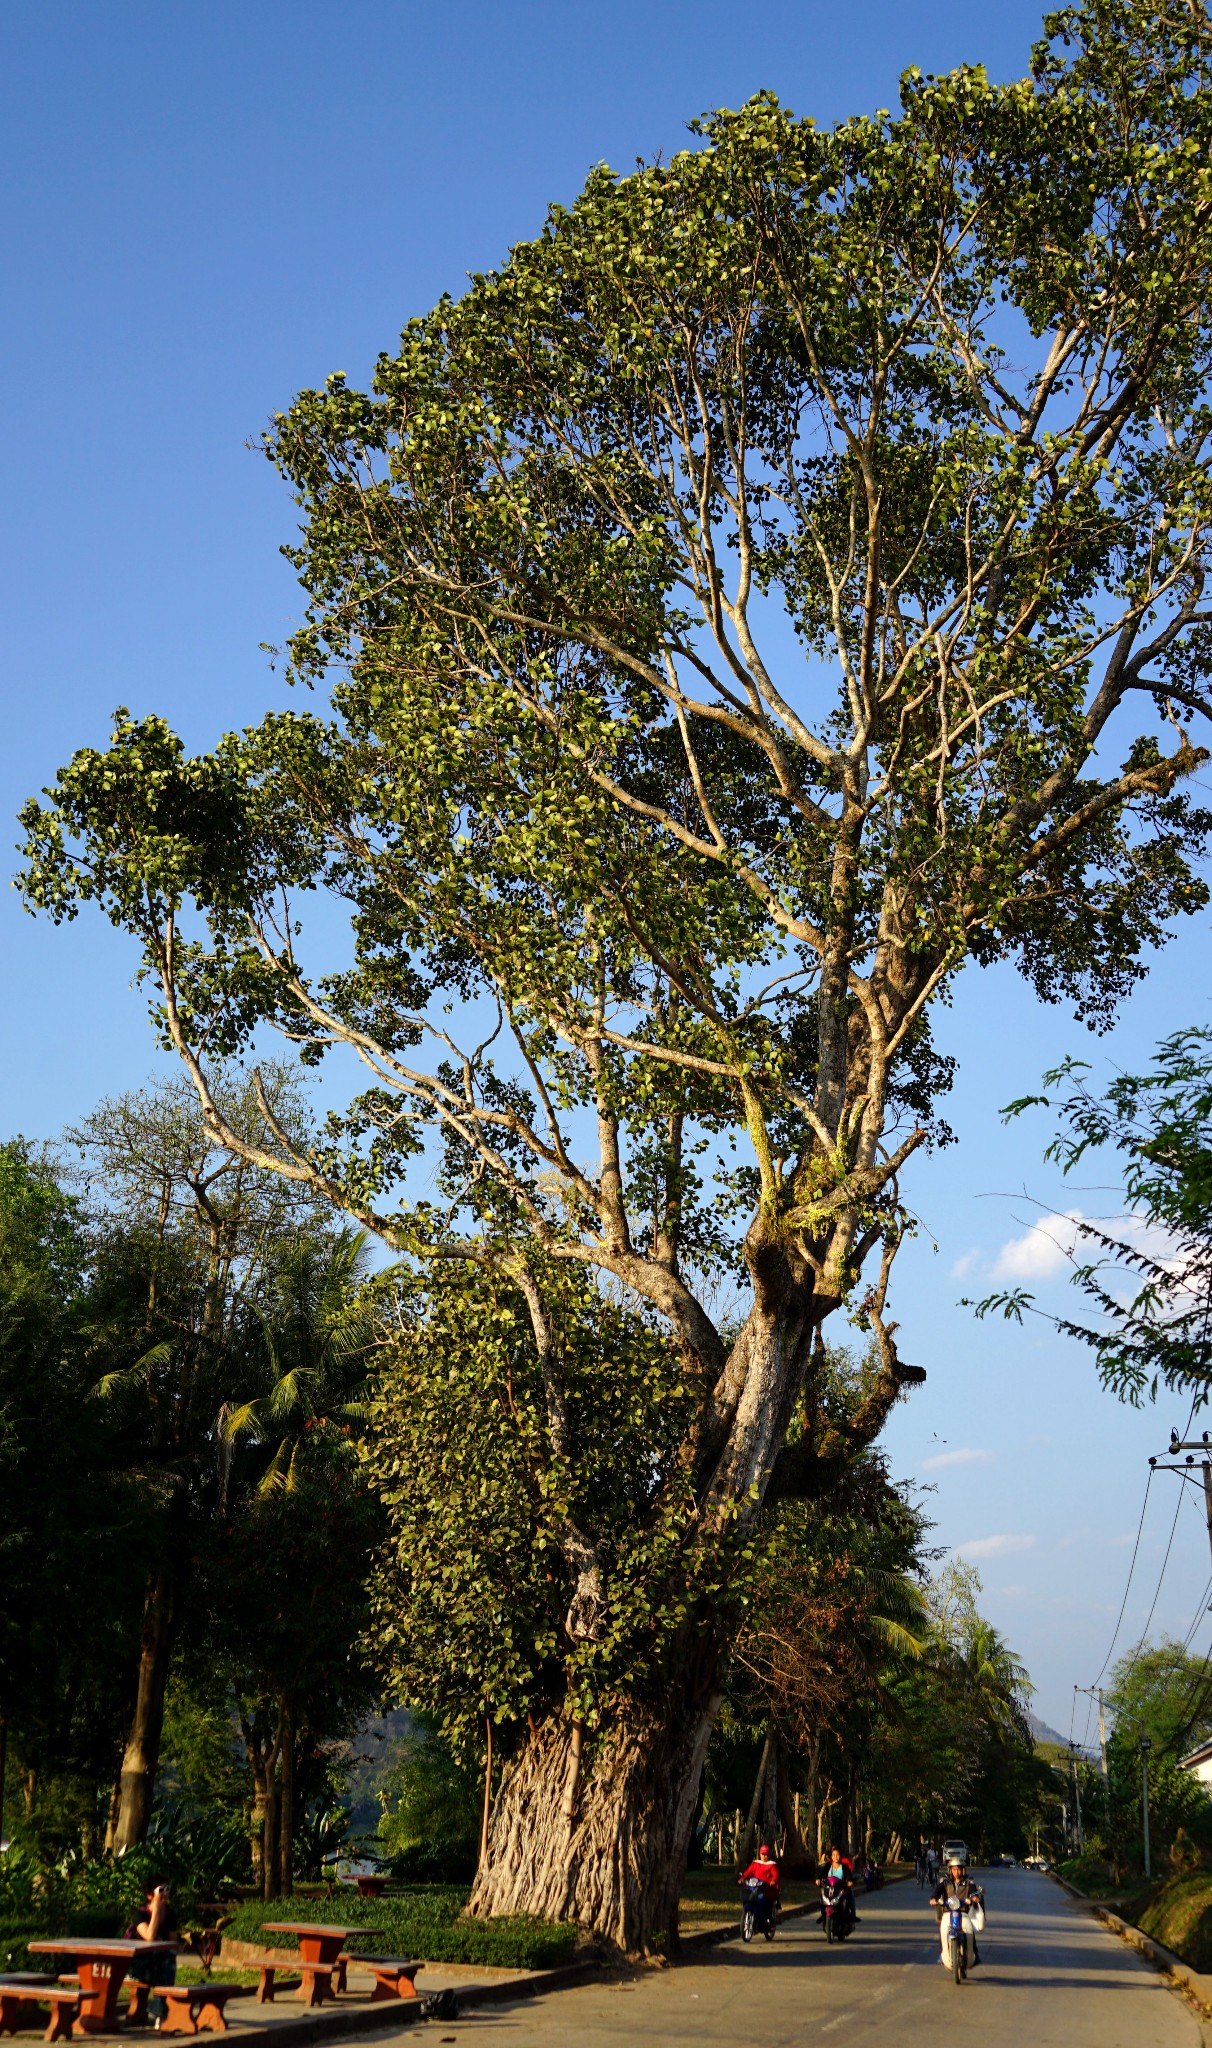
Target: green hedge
{"points": [[14, 1950], [423, 1923]]}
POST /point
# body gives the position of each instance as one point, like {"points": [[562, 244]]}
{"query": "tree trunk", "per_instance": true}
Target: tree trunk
{"points": [[770, 1802], [286, 1806], [748, 1842], [601, 1841], [269, 1835], [486, 1810], [795, 1854], [256, 1831], [141, 1757]]}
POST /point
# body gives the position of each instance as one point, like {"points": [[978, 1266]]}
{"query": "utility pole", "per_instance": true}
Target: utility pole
{"points": [[1203, 1444], [1145, 1747], [1095, 1692], [1077, 1797]]}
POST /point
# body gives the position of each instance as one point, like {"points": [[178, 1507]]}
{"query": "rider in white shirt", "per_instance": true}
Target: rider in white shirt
{"points": [[955, 1883]]}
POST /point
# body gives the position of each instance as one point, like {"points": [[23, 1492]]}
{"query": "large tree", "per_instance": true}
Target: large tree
{"points": [[780, 583]]}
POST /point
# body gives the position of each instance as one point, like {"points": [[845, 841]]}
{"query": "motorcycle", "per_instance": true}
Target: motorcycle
{"points": [[837, 1911], [957, 1944], [965, 1919], [759, 1910]]}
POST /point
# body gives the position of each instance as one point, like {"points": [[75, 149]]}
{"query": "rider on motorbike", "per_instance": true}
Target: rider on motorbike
{"points": [[955, 1883], [763, 1870], [838, 1871]]}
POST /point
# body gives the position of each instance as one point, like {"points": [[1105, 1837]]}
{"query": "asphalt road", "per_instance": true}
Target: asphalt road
{"points": [[1050, 1977]]}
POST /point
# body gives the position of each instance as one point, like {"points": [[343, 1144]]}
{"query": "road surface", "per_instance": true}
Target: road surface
{"points": [[1051, 1977]]}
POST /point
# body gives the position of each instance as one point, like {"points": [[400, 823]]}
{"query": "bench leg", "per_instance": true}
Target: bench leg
{"points": [[211, 2018], [9, 2011], [265, 1985], [315, 1977], [59, 2027], [178, 2019], [136, 2010], [398, 1985]]}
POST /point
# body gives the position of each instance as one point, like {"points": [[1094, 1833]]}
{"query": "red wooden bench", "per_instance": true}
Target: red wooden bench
{"points": [[17, 2002], [195, 2008], [269, 1968], [393, 1975]]}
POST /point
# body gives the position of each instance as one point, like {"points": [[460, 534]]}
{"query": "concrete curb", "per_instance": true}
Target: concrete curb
{"points": [[393, 2014], [1197, 1982], [713, 1937]]}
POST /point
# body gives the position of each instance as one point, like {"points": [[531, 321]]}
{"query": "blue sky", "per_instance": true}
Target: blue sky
{"points": [[210, 206]]}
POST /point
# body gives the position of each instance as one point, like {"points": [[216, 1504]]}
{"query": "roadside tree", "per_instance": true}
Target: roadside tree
{"points": [[780, 583]]}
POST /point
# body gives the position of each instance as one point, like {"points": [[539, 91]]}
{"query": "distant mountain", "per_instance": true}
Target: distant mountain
{"points": [[1041, 1732]]}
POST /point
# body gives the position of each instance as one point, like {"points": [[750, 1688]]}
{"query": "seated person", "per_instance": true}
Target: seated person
{"points": [[955, 1883], [156, 1922], [763, 1870], [839, 1871]]}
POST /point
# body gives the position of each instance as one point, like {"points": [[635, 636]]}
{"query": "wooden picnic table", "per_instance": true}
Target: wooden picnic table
{"points": [[320, 1944], [370, 1885], [102, 1966]]}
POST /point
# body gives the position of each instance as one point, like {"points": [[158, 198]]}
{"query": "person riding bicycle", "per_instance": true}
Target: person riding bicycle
{"points": [[955, 1883]]}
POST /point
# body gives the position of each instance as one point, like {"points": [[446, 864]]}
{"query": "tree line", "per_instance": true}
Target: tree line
{"points": [[183, 1523]]}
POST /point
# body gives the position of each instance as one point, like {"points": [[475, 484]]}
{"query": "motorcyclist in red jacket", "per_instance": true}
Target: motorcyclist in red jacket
{"points": [[763, 1870]]}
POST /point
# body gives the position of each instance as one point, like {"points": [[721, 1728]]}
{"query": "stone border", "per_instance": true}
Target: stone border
{"points": [[1184, 1977], [392, 2014], [712, 1937]]}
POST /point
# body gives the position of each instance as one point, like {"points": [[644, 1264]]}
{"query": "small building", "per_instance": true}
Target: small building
{"points": [[1199, 1763]]}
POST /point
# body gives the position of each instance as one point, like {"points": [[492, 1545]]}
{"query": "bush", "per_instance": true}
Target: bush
{"points": [[424, 1923], [430, 1827], [1089, 1873]]}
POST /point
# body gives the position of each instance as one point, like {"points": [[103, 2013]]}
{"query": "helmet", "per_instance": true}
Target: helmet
{"points": [[764, 1852]]}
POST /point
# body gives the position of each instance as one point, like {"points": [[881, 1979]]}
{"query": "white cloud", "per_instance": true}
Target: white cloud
{"points": [[994, 1546], [1041, 1251], [943, 1459], [964, 1264]]}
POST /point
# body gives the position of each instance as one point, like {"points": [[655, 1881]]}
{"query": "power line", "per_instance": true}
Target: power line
{"points": [[1162, 1573], [1200, 1612], [1128, 1588]]}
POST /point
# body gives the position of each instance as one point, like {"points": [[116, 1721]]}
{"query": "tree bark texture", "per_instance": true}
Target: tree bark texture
{"points": [[141, 1757], [262, 1750], [615, 1862], [286, 1806]]}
